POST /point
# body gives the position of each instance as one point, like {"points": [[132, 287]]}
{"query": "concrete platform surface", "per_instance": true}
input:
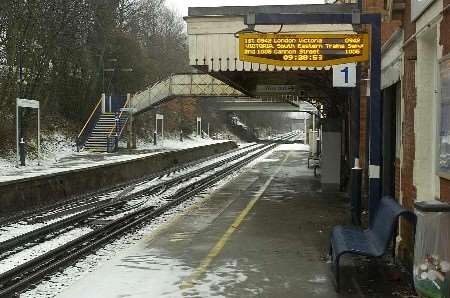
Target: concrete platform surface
{"points": [[264, 234]]}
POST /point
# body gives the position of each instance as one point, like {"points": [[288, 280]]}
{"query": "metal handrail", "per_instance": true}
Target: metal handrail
{"points": [[120, 116], [87, 122], [123, 126], [109, 137]]}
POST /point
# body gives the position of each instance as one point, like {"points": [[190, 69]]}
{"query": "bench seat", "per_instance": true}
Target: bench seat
{"points": [[353, 239], [371, 242]]}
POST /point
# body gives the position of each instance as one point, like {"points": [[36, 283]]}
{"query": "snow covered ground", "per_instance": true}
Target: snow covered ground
{"points": [[173, 143], [54, 147], [58, 283], [58, 155]]}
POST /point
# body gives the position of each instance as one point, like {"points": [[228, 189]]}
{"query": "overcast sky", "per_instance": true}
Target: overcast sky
{"points": [[181, 6]]}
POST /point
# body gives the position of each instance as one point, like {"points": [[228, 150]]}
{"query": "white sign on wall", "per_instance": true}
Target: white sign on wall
{"points": [[344, 75], [27, 103], [131, 110], [281, 89], [307, 107]]}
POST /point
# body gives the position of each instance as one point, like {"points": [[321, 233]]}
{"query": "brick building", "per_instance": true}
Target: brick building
{"points": [[416, 98]]}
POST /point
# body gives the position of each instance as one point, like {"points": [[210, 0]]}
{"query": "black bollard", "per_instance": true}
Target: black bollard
{"points": [[154, 138], [116, 145], [22, 151], [356, 195]]}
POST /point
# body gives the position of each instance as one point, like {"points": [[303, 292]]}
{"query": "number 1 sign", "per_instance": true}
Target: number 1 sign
{"points": [[344, 75]]}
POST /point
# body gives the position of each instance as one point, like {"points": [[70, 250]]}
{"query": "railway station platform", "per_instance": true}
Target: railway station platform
{"points": [[87, 172], [264, 234]]}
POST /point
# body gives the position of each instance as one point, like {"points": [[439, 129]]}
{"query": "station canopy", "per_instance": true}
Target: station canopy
{"points": [[213, 38]]}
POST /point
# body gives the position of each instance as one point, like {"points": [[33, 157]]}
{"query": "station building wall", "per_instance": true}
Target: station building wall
{"points": [[444, 44], [425, 41]]}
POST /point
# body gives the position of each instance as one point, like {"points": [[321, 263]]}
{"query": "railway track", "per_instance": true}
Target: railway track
{"points": [[112, 204], [80, 201], [187, 185]]}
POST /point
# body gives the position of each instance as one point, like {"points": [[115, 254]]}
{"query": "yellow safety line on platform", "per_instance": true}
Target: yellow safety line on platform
{"points": [[214, 252]]}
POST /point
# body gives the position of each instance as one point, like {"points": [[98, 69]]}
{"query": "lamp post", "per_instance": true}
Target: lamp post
{"points": [[22, 150]]}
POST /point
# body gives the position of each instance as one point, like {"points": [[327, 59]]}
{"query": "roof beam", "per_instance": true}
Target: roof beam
{"points": [[275, 9]]}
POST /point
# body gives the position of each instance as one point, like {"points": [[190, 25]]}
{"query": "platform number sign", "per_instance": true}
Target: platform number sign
{"points": [[344, 75]]}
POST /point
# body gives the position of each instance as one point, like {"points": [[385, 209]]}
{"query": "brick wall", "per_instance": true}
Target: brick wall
{"points": [[397, 178], [445, 32], [445, 42], [408, 138], [387, 28], [445, 190]]}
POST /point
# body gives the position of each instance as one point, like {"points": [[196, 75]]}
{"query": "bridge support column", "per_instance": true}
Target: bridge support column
{"points": [[330, 172], [103, 102]]}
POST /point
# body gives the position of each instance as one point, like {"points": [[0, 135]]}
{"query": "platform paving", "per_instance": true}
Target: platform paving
{"points": [[264, 234]]}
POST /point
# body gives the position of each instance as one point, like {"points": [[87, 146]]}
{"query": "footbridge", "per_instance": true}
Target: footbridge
{"points": [[182, 85], [261, 104], [227, 97]]}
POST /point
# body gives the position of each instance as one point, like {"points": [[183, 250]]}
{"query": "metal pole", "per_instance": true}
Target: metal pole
{"points": [[22, 152], [356, 171], [314, 140], [103, 75], [305, 138], [103, 102], [130, 125], [201, 128], [17, 134], [20, 71], [162, 127], [20, 95], [375, 118], [156, 124], [39, 136], [356, 113]]}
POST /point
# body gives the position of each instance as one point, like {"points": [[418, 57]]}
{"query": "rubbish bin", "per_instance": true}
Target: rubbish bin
{"points": [[432, 249]]}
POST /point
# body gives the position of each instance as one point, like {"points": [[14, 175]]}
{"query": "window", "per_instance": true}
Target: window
{"points": [[444, 135]]}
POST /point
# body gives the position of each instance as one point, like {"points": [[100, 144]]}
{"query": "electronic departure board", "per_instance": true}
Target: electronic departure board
{"points": [[303, 49]]}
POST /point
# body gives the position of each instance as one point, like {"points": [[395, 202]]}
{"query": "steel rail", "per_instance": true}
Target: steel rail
{"points": [[21, 216]]}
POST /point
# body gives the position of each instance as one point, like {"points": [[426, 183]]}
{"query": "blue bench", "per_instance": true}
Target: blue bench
{"points": [[372, 242]]}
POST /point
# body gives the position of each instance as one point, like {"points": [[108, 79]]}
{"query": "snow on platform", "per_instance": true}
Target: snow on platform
{"points": [[72, 161], [263, 234]]}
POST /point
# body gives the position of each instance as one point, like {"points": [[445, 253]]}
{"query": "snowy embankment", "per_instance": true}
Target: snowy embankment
{"points": [[54, 148], [59, 155]]}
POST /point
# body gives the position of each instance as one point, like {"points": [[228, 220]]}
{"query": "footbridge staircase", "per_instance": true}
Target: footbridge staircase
{"points": [[106, 124]]}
